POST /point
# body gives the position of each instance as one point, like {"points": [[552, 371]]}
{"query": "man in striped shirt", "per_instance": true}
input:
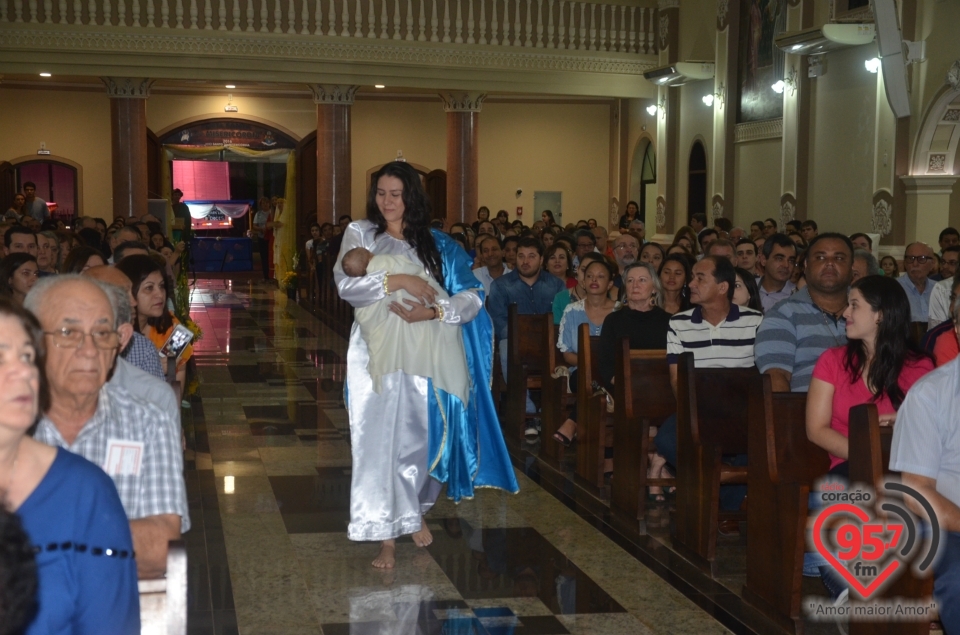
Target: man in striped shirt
{"points": [[720, 334], [795, 332]]}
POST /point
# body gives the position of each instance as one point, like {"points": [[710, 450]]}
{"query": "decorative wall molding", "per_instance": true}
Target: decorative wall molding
{"points": [[462, 101], [937, 164], [951, 116], [333, 94], [723, 11], [953, 75], [788, 209], [882, 214], [716, 208], [127, 87], [664, 30], [661, 212], [664, 5], [319, 50], [759, 130]]}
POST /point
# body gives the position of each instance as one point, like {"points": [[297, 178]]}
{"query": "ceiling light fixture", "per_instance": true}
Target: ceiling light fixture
{"points": [[45, 75], [230, 86], [379, 86]]}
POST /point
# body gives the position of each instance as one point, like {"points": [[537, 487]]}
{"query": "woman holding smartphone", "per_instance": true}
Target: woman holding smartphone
{"points": [[153, 319]]}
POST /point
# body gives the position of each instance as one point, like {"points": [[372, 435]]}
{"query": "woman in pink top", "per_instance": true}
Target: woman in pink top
{"points": [[879, 363]]}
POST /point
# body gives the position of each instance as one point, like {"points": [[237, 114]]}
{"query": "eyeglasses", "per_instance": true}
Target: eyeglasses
{"points": [[74, 338], [623, 246], [921, 259]]}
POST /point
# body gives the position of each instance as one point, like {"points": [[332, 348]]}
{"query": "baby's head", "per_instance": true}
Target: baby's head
{"points": [[355, 262]]}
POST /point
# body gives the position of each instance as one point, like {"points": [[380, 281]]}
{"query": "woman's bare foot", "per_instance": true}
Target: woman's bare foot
{"points": [[423, 537], [387, 558]]}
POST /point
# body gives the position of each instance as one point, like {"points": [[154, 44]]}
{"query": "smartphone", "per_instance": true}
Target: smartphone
{"points": [[177, 341]]}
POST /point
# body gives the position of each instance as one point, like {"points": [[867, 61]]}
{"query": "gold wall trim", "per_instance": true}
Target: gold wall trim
{"points": [[759, 130]]}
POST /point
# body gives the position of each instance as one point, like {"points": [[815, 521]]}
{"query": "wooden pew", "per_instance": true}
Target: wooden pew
{"points": [[642, 397], [783, 467], [869, 465], [163, 602], [527, 360], [711, 422], [554, 397], [591, 410]]}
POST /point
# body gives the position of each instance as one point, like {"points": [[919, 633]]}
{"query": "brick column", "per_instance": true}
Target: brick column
{"points": [[333, 150], [128, 127], [463, 114]]}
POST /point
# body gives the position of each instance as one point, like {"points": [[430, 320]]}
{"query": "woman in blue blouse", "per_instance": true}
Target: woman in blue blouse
{"points": [[69, 507], [593, 309]]}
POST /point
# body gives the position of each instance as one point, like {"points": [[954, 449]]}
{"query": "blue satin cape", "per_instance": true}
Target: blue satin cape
{"points": [[466, 446]]}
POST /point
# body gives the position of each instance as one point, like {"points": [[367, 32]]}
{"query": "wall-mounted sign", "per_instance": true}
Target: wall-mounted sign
{"points": [[229, 132]]}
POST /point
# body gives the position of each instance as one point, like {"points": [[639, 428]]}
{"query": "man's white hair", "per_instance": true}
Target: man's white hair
{"points": [[35, 300]]}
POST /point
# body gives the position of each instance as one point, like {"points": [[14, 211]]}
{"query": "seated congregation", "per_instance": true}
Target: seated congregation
{"points": [[728, 368], [91, 444]]}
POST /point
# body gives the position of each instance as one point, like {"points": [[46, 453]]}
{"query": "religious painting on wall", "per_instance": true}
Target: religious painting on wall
{"points": [[761, 63]]}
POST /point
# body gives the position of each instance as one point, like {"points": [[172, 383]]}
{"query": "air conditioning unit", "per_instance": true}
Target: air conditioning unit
{"points": [[829, 37], [681, 73]]}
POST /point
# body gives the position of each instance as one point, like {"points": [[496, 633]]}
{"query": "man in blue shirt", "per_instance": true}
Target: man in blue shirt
{"points": [[918, 264], [530, 288]]}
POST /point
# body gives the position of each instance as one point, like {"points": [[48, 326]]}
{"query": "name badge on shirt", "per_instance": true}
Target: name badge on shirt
{"points": [[123, 458]]}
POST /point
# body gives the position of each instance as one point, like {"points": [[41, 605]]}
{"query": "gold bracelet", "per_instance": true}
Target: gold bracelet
{"points": [[386, 285], [439, 311]]}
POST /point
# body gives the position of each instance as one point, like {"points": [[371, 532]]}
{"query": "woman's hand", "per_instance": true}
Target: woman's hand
{"points": [[180, 247], [887, 420], [417, 287], [413, 311]]}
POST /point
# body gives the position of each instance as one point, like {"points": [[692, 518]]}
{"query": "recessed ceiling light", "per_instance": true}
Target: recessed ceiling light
{"points": [[230, 86], [379, 86], [45, 75]]}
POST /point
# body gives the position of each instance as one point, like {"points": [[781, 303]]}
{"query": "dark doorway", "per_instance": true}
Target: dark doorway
{"points": [[697, 184], [8, 184], [435, 183]]}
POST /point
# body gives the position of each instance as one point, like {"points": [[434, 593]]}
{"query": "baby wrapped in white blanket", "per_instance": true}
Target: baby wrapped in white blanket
{"points": [[429, 348]]}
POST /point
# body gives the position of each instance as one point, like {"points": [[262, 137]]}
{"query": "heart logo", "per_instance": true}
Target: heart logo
{"points": [[860, 541]]}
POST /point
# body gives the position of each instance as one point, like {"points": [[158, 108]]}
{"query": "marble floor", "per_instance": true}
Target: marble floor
{"points": [[268, 474]]}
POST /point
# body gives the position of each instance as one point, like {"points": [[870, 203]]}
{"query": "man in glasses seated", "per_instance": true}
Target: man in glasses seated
{"points": [[135, 442], [918, 264]]}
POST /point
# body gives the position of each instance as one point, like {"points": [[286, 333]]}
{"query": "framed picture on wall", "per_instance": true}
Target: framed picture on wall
{"points": [[760, 62]]}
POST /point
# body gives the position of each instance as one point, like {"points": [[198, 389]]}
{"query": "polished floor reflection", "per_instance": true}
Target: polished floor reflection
{"points": [[268, 475]]}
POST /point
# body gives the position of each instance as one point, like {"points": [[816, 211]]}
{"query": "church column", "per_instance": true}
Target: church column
{"points": [[721, 167], [128, 149], [668, 128], [463, 118], [333, 150], [796, 121], [927, 207]]}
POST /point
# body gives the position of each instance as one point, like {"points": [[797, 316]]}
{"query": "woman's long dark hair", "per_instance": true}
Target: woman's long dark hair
{"points": [[684, 260], [77, 258], [893, 347], [138, 267], [30, 324], [750, 284], [8, 267], [416, 215]]}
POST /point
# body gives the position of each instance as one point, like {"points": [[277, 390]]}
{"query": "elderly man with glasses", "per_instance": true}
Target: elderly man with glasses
{"points": [[918, 263], [136, 443]]}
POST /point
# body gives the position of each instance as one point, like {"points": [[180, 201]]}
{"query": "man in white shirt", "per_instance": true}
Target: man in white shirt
{"points": [[926, 450], [491, 255]]}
